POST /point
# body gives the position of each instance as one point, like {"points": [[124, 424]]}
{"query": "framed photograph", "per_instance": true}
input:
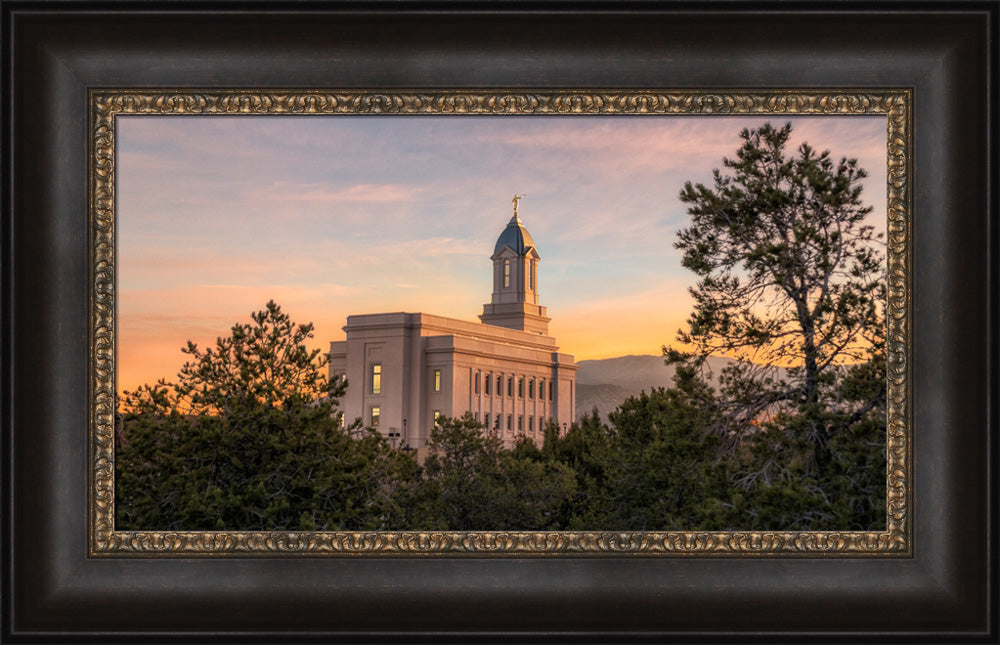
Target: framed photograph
{"points": [[448, 411], [174, 180]]}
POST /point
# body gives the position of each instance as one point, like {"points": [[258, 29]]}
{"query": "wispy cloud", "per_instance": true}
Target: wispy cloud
{"points": [[294, 194]]}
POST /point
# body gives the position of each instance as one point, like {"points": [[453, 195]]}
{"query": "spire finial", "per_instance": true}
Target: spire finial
{"points": [[517, 198]]}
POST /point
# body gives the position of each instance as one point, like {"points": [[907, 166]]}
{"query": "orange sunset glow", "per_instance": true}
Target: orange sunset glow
{"points": [[337, 216]]}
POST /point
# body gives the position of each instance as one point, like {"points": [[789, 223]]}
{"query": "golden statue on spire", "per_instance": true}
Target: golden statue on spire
{"points": [[517, 198]]}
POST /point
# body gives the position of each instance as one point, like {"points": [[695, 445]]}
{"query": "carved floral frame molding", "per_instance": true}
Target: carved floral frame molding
{"points": [[105, 106]]}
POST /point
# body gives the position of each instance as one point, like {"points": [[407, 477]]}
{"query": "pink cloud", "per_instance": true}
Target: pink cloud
{"points": [[285, 192]]}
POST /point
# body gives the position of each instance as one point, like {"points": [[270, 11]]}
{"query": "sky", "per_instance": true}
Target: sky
{"points": [[337, 215]]}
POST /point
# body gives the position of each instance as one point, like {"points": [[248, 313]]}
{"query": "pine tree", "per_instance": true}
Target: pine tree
{"points": [[791, 284], [249, 438]]}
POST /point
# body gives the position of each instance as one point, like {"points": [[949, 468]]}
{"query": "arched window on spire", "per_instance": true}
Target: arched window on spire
{"points": [[506, 273], [531, 274]]}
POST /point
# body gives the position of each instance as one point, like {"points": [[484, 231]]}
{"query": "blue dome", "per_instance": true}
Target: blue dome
{"points": [[515, 236]]}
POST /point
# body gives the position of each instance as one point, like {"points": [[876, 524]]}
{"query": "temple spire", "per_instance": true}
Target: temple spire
{"points": [[515, 302]]}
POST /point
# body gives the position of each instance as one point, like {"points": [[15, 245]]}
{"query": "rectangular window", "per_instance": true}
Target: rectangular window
{"points": [[499, 384], [477, 383], [487, 423], [541, 389], [551, 390], [343, 420], [496, 422], [506, 273], [510, 419], [520, 387], [510, 386], [437, 416], [376, 378], [531, 424], [437, 380], [488, 381], [520, 423], [375, 414], [531, 389]]}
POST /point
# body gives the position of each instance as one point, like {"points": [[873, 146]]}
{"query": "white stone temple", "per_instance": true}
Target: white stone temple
{"points": [[404, 370]]}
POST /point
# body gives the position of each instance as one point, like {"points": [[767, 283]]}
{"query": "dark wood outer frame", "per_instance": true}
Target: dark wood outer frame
{"points": [[54, 52], [106, 106]]}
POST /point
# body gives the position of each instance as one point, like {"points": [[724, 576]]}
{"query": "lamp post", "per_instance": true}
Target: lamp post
{"points": [[406, 444]]}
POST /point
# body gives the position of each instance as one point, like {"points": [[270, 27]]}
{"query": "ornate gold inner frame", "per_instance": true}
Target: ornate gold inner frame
{"points": [[105, 106]]}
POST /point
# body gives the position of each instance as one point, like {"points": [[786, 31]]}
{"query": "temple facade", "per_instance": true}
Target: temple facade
{"points": [[406, 370]]}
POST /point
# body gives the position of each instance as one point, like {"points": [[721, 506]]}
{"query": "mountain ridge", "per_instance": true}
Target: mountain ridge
{"points": [[606, 383]]}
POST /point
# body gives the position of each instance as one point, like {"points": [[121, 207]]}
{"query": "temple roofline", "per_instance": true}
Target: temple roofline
{"points": [[450, 326]]}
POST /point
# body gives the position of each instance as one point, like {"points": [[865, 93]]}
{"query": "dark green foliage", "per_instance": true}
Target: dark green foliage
{"points": [[790, 275], [789, 480], [789, 272], [249, 438], [660, 464], [653, 468], [473, 484], [670, 474]]}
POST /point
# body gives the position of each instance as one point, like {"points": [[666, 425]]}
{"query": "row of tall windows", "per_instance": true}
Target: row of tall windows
{"points": [[508, 422], [488, 382]]}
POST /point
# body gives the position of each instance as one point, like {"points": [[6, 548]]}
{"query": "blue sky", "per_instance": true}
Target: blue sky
{"points": [[331, 216]]}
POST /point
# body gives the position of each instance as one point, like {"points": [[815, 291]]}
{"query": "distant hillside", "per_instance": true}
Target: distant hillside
{"points": [[607, 383], [605, 398]]}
